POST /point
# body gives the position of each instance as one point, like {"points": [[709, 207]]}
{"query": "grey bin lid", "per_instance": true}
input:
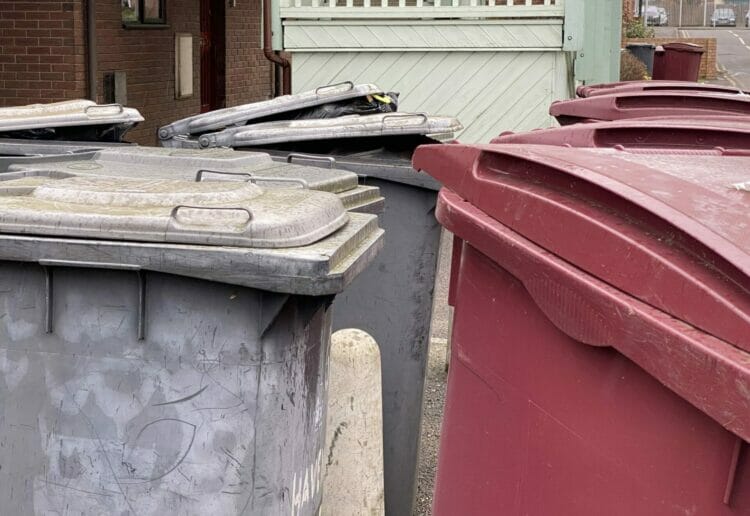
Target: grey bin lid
{"points": [[355, 126], [189, 165], [237, 214], [65, 114], [221, 118]]}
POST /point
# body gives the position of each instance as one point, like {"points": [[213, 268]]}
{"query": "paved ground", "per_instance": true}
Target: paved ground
{"points": [[733, 49], [432, 413]]}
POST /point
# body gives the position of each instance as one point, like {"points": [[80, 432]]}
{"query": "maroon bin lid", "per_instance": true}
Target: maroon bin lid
{"points": [[649, 104], [671, 229], [727, 132], [634, 86]]}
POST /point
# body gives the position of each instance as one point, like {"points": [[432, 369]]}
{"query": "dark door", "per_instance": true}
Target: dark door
{"points": [[212, 55]]}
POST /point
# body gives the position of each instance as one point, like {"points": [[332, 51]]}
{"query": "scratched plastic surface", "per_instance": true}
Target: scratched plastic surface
{"points": [[600, 341], [65, 114]]}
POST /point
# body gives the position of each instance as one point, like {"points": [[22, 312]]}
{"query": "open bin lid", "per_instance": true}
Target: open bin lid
{"points": [[355, 126], [649, 104], [238, 214], [240, 115], [686, 133], [67, 114], [635, 86], [670, 229]]}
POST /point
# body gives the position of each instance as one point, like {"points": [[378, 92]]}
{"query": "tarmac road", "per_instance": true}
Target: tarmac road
{"points": [[733, 53]]}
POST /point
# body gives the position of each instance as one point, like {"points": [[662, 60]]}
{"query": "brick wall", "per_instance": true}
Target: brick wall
{"points": [[146, 55], [708, 60], [43, 57], [42, 51], [249, 74]]}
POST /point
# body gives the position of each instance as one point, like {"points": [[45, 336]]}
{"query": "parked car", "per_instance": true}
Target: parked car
{"points": [[656, 16], [663, 19], [724, 16]]}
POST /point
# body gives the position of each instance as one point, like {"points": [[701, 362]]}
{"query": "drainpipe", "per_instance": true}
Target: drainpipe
{"points": [[274, 57], [91, 54]]}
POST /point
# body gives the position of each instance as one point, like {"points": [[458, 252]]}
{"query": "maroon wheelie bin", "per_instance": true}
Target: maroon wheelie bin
{"points": [[677, 61], [674, 133], [609, 88], [601, 341], [649, 104]]}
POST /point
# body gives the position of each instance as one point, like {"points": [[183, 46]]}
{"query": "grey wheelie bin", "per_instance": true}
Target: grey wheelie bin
{"points": [[393, 299], [75, 120], [164, 343]]}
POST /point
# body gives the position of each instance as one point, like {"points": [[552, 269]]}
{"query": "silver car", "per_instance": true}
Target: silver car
{"points": [[723, 16]]}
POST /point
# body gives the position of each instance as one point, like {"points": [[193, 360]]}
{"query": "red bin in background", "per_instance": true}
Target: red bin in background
{"points": [[677, 62], [601, 341]]}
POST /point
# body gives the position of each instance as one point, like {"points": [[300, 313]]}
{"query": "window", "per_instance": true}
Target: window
{"points": [[143, 12]]}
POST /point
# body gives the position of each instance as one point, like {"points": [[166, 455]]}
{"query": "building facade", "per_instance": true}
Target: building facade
{"points": [[167, 58]]}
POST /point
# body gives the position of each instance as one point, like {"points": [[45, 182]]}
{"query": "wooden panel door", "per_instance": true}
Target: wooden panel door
{"points": [[213, 73]]}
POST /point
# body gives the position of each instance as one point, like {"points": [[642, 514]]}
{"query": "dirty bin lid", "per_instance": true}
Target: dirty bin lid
{"points": [[235, 214], [633, 86], [356, 126], [667, 227], [649, 104], [65, 114], [240, 115], [190, 165], [686, 133]]}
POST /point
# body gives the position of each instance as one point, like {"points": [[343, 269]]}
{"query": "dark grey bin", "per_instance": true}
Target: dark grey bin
{"points": [[392, 300], [644, 52], [160, 356]]}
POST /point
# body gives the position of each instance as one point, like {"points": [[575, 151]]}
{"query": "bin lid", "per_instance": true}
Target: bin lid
{"points": [[670, 228], [633, 86], [689, 133], [649, 104], [240, 115], [205, 165], [66, 114], [238, 214], [683, 47], [355, 126]]}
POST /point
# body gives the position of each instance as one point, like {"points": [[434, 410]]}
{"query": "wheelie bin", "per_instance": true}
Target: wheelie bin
{"points": [[644, 52], [164, 349], [392, 301], [601, 340], [649, 104], [75, 120], [677, 61]]}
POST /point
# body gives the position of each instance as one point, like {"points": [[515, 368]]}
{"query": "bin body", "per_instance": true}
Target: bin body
{"points": [[215, 412], [392, 301], [644, 52], [598, 367], [161, 355], [678, 62]]}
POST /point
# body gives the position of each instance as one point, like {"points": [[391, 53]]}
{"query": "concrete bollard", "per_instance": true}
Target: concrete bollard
{"points": [[353, 455]]}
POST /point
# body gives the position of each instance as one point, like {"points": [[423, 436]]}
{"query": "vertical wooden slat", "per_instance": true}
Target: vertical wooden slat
{"points": [[420, 3], [350, 3], [366, 3], [401, 3], [316, 3]]}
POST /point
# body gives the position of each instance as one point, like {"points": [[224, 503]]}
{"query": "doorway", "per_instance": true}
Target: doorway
{"points": [[213, 43]]}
